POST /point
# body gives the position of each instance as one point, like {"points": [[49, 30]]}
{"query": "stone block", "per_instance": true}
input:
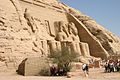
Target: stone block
{"points": [[33, 66]]}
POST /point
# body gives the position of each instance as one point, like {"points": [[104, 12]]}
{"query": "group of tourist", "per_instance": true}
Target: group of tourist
{"points": [[56, 71], [112, 66]]}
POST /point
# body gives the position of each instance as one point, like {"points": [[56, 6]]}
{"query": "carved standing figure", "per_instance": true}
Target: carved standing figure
{"points": [[30, 20]]}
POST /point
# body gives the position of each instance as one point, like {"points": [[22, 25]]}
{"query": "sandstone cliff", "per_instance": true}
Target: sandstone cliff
{"points": [[30, 28]]}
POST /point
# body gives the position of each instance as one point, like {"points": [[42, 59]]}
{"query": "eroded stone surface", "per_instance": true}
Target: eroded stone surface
{"points": [[30, 28]]}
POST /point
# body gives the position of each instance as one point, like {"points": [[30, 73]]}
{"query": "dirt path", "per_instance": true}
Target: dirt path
{"points": [[95, 74]]}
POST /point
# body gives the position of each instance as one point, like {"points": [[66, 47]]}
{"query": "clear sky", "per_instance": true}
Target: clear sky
{"points": [[105, 12]]}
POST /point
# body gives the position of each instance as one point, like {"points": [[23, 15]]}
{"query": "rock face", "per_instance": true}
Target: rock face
{"points": [[30, 28]]}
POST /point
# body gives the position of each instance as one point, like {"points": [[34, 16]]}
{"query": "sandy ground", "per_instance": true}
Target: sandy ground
{"points": [[94, 74]]}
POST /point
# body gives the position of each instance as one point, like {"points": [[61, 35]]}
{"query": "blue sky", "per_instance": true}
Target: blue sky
{"points": [[105, 12]]}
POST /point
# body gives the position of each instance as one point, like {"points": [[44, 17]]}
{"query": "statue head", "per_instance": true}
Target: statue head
{"points": [[63, 27], [72, 28]]}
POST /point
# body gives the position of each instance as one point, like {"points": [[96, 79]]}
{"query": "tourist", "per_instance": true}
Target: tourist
{"points": [[112, 67], [106, 67], [85, 68], [118, 66], [60, 71], [53, 70]]}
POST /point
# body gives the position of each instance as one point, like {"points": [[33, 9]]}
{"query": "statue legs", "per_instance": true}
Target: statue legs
{"points": [[84, 49], [54, 46]]}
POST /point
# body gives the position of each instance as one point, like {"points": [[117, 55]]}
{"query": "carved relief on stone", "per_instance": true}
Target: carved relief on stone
{"points": [[30, 20], [45, 46], [47, 26], [18, 17], [44, 29], [41, 47], [3, 19], [51, 27]]}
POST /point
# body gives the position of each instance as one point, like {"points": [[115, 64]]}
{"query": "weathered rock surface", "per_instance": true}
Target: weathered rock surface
{"points": [[30, 28]]}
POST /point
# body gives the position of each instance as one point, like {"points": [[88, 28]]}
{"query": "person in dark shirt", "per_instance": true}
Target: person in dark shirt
{"points": [[85, 68], [53, 70]]}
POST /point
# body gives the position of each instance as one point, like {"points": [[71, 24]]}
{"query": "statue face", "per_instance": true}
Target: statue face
{"points": [[72, 28]]}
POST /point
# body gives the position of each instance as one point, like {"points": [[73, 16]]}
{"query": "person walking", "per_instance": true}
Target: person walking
{"points": [[85, 69]]}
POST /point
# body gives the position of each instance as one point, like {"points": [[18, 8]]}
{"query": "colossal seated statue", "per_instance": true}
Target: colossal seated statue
{"points": [[73, 33], [73, 38], [62, 34], [68, 37]]}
